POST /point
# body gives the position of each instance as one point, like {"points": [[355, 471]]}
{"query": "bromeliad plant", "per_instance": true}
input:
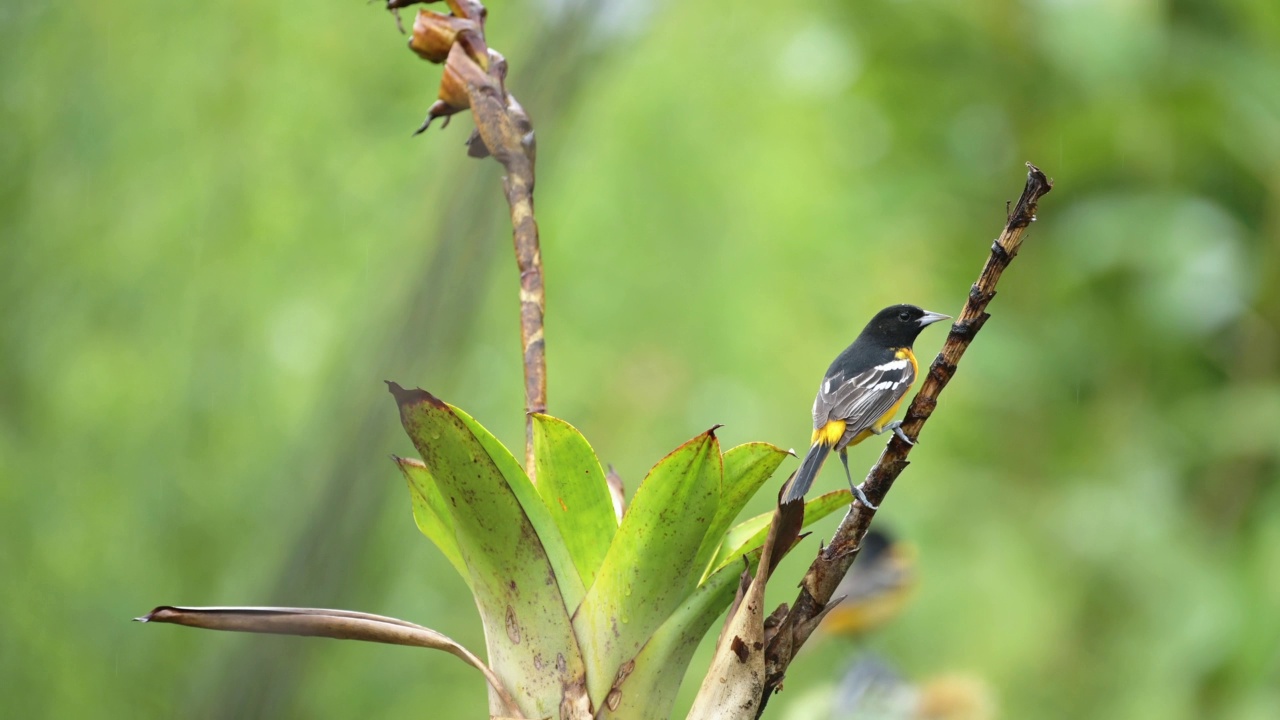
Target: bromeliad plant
{"points": [[585, 613], [590, 611]]}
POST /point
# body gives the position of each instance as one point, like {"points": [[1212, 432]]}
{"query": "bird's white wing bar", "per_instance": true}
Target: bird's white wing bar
{"points": [[863, 399]]}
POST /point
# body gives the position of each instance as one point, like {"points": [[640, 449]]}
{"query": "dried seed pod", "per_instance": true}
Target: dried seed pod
{"points": [[434, 34], [470, 9], [459, 68], [453, 88]]}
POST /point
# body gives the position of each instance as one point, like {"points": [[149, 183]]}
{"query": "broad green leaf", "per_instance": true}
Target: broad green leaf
{"points": [[431, 513], [531, 645], [746, 468], [572, 485], [649, 691], [548, 532], [750, 534], [650, 568]]}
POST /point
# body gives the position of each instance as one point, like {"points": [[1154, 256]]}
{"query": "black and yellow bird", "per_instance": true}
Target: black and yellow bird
{"points": [[875, 589], [862, 390]]}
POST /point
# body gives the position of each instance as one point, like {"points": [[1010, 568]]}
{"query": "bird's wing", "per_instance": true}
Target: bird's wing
{"points": [[862, 399]]}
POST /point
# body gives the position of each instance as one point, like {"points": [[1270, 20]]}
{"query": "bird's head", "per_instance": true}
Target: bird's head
{"points": [[898, 325]]}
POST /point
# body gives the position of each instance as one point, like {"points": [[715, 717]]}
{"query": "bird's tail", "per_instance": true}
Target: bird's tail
{"points": [[809, 468]]}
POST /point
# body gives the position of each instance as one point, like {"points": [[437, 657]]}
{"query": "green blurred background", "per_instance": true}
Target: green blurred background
{"points": [[217, 239]]}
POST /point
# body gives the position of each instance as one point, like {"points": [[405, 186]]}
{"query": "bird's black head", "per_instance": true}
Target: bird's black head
{"points": [[898, 325]]}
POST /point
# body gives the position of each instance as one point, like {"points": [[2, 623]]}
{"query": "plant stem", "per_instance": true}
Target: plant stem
{"points": [[504, 128]]}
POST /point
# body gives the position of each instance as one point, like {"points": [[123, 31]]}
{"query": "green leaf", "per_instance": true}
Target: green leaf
{"points": [[531, 645], [651, 567], [746, 468], [572, 485], [431, 512], [539, 516], [750, 534], [650, 690]]}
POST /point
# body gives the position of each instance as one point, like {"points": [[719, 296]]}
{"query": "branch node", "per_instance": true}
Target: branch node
{"points": [[979, 297], [941, 371], [999, 254]]}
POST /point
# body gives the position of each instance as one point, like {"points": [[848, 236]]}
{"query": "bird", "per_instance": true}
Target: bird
{"points": [[876, 587], [871, 688], [861, 392]]}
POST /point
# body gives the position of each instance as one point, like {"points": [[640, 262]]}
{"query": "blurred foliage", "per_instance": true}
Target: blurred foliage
{"points": [[217, 238]]}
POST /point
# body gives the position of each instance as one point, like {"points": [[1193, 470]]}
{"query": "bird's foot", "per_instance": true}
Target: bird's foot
{"points": [[896, 427], [862, 497]]}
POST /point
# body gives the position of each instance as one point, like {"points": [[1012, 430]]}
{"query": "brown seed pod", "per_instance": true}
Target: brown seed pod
{"points": [[434, 34], [453, 87]]}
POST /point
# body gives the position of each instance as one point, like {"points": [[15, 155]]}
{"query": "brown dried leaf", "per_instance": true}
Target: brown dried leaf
{"points": [[734, 685], [337, 624]]}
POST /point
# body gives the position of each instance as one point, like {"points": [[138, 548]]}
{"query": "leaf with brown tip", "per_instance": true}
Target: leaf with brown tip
{"points": [[519, 568], [650, 568]]}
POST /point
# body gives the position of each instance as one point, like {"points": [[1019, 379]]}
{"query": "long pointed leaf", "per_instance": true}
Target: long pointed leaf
{"points": [[750, 534], [548, 532], [650, 567], [337, 624], [649, 691], [572, 485], [530, 640], [746, 468], [430, 513]]}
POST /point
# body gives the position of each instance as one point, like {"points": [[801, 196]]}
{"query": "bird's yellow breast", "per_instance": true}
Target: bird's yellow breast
{"points": [[906, 354]]}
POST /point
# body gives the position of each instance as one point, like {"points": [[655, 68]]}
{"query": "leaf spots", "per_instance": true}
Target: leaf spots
{"points": [[513, 626]]}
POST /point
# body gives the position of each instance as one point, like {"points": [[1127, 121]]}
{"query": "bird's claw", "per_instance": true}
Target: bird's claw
{"points": [[896, 427], [862, 498], [903, 436]]}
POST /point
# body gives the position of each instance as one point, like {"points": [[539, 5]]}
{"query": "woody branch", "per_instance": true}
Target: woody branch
{"points": [[790, 627]]}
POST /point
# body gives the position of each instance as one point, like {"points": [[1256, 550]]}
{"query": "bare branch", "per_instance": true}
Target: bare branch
{"points": [[337, 624], [834, 560]]}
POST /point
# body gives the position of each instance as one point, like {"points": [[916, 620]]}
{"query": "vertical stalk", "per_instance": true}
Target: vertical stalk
{"points": [[475, 78]]}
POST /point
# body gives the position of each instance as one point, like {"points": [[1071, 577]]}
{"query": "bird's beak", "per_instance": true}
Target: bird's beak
{"points": [[930, 318]]}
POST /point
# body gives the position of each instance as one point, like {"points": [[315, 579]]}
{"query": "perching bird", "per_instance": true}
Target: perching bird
{"points": [[862, 390], [876, 587]]}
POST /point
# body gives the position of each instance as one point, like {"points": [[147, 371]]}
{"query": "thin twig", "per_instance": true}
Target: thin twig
{"points": [[834, 560]]}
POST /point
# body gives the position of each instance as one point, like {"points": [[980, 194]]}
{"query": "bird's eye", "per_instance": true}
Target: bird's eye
{"points": [[904, 316]]}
